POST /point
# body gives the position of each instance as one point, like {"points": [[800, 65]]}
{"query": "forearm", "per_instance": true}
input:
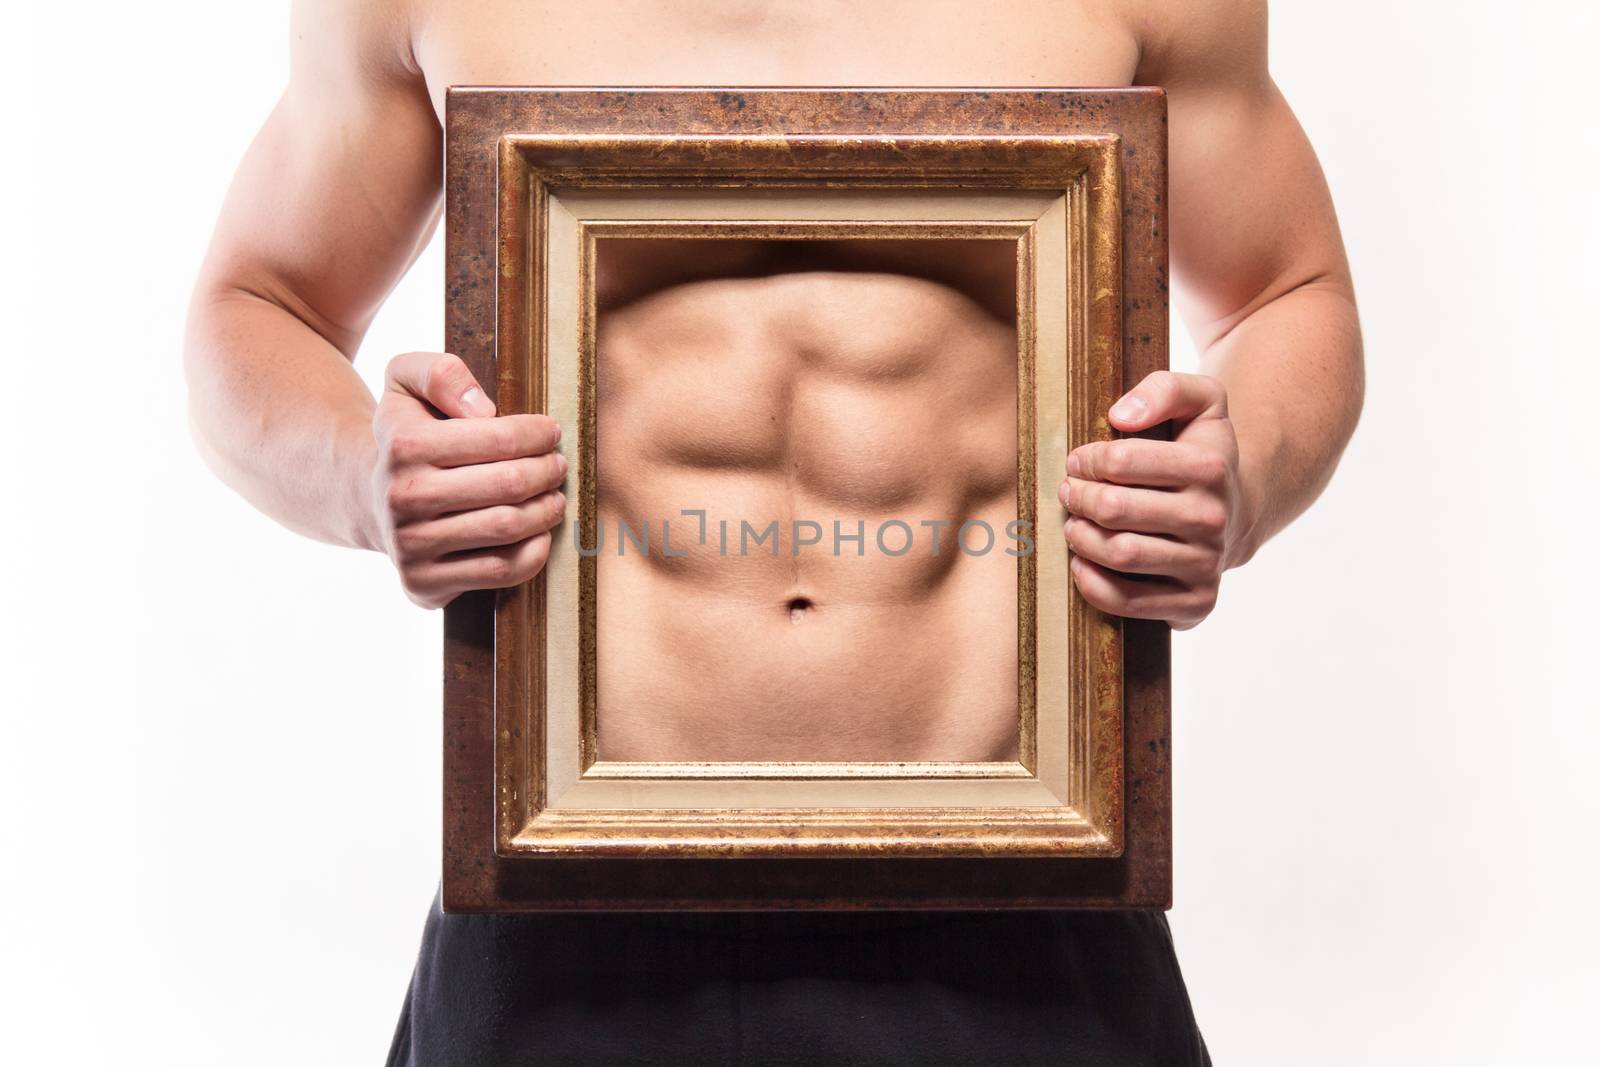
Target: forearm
{"points": [[281, 416], [1294, 379]]}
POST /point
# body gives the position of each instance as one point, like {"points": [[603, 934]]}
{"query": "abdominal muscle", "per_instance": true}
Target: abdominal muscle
{"points": [[867, 412]]}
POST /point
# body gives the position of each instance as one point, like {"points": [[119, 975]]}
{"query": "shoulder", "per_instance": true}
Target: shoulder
{"points": [[1197, 40], [369, 40]]}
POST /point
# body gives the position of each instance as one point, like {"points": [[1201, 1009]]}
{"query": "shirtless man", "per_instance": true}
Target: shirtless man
{"points": [[342, 188]]}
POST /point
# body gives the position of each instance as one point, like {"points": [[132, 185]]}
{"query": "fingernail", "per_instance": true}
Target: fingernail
{"points": [[1066, 494], [473, 402], [1129, 408], [561, 463], [1074, 465]]}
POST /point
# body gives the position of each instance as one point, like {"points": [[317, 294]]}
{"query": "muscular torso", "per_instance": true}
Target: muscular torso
{"points": [[840, 388], [863, 410]]}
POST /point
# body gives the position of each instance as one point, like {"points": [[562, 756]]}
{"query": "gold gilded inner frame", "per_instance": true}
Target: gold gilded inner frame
{"points": [[558, 195]]}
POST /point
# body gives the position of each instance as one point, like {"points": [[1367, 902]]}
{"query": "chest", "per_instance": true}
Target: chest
{"points": [[765, 42], [867, 391]]}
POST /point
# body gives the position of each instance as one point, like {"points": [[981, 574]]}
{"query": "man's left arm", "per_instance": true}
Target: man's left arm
{"points": [[1265, 291]]}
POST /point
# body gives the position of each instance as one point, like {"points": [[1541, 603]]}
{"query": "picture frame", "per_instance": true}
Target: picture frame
{"points": [[536, 178]]}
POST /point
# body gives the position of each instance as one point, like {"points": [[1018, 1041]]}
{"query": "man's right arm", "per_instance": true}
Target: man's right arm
{"points": [[332, 203]]}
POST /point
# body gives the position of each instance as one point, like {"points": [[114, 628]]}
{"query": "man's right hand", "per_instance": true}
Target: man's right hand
{"points": [[464, 499]]}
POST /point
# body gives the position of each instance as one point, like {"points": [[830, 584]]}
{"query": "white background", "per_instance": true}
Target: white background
{"points": [[1385, 825]]}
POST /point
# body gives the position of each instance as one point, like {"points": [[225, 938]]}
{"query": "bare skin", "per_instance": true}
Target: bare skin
{"points": [[341, 189], [799, 392]]}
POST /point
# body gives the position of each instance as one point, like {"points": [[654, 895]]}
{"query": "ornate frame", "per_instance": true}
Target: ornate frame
{"points": [[535, 177]]}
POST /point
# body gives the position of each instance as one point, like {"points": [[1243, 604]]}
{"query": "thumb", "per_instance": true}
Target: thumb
{"points": [[439, 379], [1164, 395]]}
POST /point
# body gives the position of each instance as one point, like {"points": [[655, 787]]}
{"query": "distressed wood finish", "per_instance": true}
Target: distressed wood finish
{"points": [[797, 129], [1056, 200]]}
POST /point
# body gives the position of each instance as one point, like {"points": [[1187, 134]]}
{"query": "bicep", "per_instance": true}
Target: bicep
{"points": [[338, 192], [1250, 216]]}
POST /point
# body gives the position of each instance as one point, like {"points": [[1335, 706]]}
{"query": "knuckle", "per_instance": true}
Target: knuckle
{"points": [[1162, 383], [538, 476], [447, 365], [1100, 596], [497, 569], [511, 482], [412, 581], [409, 544], [1110, 505], [445, 372], [504, 524], [400, 496], [404, 447], [1124, 552], [502, 438], [1204, 600], [396, 369], [1211, 469], [1117, 459], [1211, 517]]}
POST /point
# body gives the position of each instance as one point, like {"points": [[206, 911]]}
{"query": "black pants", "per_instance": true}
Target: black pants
{"points": [[1080, 988]]}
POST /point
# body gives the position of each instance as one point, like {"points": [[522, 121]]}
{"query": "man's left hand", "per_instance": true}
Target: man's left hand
{"points": [[1151, 523]]}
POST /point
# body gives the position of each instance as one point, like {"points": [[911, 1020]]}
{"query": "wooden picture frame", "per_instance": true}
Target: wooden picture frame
{"points": [[535, 177]]}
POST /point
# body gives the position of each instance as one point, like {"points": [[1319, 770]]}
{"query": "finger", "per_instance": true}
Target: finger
{"points": [[503, 524], [441, 380], [491, 568], [1134, 598], [1147, 463], [1134, 553], [461, 442], [1191, 515], [481, 485], [1166, 395]]}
